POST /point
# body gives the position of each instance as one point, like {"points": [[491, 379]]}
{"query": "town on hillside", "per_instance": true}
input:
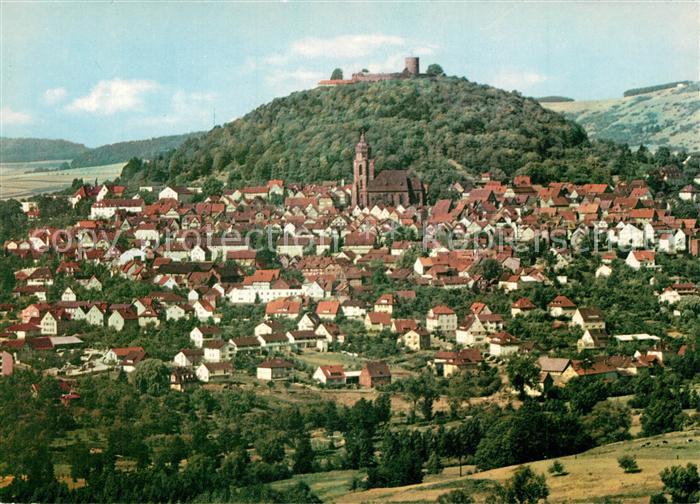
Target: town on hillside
{"points": [[509, 293]]}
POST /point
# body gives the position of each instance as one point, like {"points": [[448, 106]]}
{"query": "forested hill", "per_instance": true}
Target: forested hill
{"points": [[123, 151], [444, 128], [14, 150]]}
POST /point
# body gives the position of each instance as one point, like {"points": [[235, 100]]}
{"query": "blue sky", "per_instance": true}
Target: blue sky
{"points": [[104, 72]]}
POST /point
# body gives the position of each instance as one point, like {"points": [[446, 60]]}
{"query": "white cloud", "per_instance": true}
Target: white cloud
{"points": [[190, 110], [424, 50], [276, 59], [285, 81], [294, 77], [518, 80], [110, 96], [13, 117], [392, 63], [344, 46], [54, 95]]}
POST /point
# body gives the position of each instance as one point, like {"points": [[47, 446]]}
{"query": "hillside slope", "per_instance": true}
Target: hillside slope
{"points": [[429, 125], [669, 117], [123, 151], [16, 150], [592, 475]]}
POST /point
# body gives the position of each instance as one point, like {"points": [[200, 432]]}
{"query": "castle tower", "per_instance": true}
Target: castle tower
{"points": [[413, 66], [363, 171]]}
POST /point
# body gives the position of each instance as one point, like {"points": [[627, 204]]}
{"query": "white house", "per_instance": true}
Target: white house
{"points": [[588, 318], [120, 318], [592, 338], [603, 271], [176, 193], [208, 371], [354, 309], [217, 350], [68, 295], [106, 209], [689, 193], [629, 236], [189, 357], [95, 316], [638, 259], [274, 369], [674, 293], [200, 334], [502, 344], [441, 318], [330, 375]]}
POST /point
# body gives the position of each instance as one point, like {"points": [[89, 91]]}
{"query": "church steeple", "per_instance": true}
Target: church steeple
{"points": [[363, 171], [362, 148]]}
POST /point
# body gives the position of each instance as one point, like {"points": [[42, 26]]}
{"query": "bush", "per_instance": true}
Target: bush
{"points": [[557, 469], [628, 463], [524, 487], [458, 496]]}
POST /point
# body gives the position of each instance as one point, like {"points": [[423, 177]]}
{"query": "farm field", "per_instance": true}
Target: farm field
{"points": [[592, 475], [17, 180]]}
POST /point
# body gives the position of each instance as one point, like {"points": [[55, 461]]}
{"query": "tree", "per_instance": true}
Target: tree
{"points": [[382, 408], [465, 439], [628, 463], [359, 449], [303, 455], [151, 376], [609, 422], [525, 487], [401, 462], [664, 413], [435, 70], [270, 447], [413, 387], [434, 464], [458, 496], [491, 269], [79, 460], [522, 372], [557, 469], [12, 220], [212, 187], [337, 74], [429, 393], [682, 483]]}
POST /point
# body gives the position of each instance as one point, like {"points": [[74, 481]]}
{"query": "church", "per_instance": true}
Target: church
{"points": [[390, 187]]}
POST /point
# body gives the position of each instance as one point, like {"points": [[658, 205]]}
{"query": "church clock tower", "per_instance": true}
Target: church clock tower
{"points": [[363, 172]]}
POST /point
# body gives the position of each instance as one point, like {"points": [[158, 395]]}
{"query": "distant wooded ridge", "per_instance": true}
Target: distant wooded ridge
{"points": [[17, 150], [651, 89], [554, 99]]}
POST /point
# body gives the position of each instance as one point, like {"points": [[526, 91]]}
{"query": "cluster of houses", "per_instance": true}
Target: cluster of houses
{"points": [[200, 254]]}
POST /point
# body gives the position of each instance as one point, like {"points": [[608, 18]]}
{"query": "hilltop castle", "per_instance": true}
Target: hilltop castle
{"points": [[391, 187], [411, 70]]}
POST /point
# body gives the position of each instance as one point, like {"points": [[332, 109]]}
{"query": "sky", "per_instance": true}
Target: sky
{"points": [[98, 73]]}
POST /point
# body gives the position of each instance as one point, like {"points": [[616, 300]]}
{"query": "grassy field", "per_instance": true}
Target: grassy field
{"points": [[18, 181], [592, 475]]}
